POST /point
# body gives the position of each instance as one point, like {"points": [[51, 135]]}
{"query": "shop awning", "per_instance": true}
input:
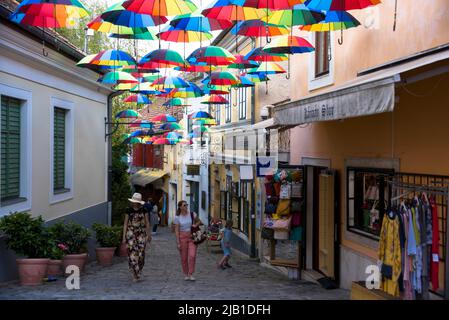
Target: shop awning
{"points": [[368, 94], [147, 176]]}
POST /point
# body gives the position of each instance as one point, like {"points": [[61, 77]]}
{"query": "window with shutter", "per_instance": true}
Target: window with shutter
{"points": [[10, 148], [59, 149], [322, 47]]}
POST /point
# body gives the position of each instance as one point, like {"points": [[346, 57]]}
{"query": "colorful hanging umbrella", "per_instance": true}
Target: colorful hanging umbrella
{"points": [[245, 82], [170, 126], [200, 115], [139, 133], [138, 72], [170, 83], [41, 21], [193, 91], [113, 58], [205, 122], [268, 68], [87, 62], [163, 118], [145, 88], [173, 136], [123, 86], [126, 114], [300, 15], [268, 4], [242, 63], [211, 55], [258, 54], [185, 141], [59, 10], [138, 98], [118, 15], [115, 77], [340, 5], [258, 28], [213, 89], [145, 124], [196, 68], [196, 21], [228, 10], [215, 99], [135, 33], [133, 140], [159, 7], [257, 77], [117, 31], [163, 141], [175, 102], [289, 45], [162, 58], [172, 34], [223, 78], [201, 129], [335, 20]]}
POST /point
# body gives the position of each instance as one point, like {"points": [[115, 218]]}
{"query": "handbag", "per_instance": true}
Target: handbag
{"points": [[387, 271], [286, 191], [282, 224], [283, 207], [198, 235], [296, 190]]}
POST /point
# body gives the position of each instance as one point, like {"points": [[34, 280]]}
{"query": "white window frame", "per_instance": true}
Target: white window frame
{"points": [[69, 147], [324, 80], [26, 148]]}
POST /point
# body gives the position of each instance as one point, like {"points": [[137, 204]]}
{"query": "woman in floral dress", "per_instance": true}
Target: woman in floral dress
{"points": [[136, 234]]}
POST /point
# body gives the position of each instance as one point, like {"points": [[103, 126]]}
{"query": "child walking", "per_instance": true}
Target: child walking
{"points": [[226, 246]]}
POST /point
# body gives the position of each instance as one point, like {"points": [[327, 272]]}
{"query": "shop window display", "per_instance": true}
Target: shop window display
{"points": [[368, 196]]}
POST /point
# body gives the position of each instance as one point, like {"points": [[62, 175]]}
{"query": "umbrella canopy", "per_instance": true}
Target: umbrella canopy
{"points": [[170, 126], [145, 88], [139, 133], [115, 77], [245, 82], [211, 55], [124, 86], [205, 122], [138, 98], [289, 45], [200, 115], [163, 118], [213, 89], [159, 7], [228, 10], [172, 34], [258, 28], [201, 129], [335, 20], [173, 136], [269, 4], [133, 140], [268, 68], [135, 33], [163, 141], [87, 62], [175, 102], [192, 91], [170, 83], [117, 31], [223, 78], [145, 124], [300, 15], [196, 68], [41, 21], [196, 22], [340, 5], [258, 54], [257, 77], [126, 114], [215, 99], [118, 15], [164, 58], [113, 58], [242, 63]]}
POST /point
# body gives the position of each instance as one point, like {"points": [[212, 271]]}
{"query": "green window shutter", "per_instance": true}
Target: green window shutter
{"points": [[59, 149], [10, 148]]}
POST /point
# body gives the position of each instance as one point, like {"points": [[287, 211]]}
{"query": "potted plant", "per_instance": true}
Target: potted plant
{"points": [[109, 239], [56, 255], [27, 237], [74, 237]]}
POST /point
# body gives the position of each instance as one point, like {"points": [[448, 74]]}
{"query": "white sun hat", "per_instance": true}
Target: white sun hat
{"points": [[137, 198]]}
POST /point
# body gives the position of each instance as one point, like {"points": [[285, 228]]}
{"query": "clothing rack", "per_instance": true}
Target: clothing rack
{"points": [[442, 189]]}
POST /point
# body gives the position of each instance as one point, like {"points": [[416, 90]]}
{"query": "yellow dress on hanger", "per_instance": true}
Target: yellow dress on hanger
{"points": [[390, 253]]}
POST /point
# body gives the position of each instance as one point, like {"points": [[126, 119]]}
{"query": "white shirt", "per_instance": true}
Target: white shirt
{"points": [[185, 222]]}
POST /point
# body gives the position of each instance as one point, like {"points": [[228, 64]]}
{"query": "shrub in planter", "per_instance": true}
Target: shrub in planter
{"points": [[109, 239], [74, 237], [56, 255], [28, 237]]}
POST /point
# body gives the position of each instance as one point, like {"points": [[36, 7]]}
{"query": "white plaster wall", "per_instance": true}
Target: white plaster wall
{"points": [[352, 267]]}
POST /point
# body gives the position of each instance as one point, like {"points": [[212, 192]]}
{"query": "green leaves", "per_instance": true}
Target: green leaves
{"points": [[107, 236], [72, 235]]}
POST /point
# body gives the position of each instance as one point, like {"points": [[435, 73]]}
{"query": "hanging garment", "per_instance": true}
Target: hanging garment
{"points": [[407, 295], [390, 254], [435, 260], [417, 263], [411, 241], [429, 225], [402, 243]]}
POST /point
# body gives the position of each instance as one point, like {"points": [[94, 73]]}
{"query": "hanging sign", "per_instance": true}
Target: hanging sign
{"points": [[266, 166]]}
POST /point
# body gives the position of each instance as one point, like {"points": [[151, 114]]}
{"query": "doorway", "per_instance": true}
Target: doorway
{"points": [[194, 196], [173, 203]]}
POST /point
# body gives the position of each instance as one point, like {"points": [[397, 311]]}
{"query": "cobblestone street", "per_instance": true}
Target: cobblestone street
{"points": [[163, 279]]}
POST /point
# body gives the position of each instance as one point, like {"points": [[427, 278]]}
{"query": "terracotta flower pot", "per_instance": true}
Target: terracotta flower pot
{"points": [[32, 271], [78, 260], [54, 268], [123, 250], [105, 255]]}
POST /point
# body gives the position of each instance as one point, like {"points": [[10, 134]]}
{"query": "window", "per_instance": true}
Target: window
{"points": [[16, 156], [61, 150], [10, 149], [228, 108], [59, 144], [242, 93], [368, 195], [217, 114], [322, 43]]}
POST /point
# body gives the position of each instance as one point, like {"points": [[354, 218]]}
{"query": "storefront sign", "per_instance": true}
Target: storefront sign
{"points": [[266, 165]]}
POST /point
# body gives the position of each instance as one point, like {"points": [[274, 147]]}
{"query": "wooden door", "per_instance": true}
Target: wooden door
{"points": [[327, 224]]}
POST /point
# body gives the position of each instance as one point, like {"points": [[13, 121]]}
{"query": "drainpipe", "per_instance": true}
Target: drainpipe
{"points": [[109, 126], [253, 195]]}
